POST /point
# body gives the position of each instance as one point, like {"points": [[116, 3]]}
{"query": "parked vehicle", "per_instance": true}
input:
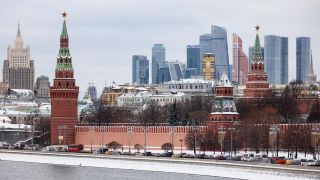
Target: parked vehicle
{"points": [[311, 162], [289, 161], [317, 163], [73, 148], [168, 154], [201, 156], [304, 162], [236, 158], [220, 157], [281, 160], [147, 154], [245, 157], [296, 162], [102, 150]]}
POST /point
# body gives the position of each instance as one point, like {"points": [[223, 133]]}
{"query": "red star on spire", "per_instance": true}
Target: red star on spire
{"points": [[64, 15], [257, 28]]}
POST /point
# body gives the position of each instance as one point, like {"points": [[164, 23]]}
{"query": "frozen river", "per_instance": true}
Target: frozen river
{"points": [[13, 170], [54, 166]]}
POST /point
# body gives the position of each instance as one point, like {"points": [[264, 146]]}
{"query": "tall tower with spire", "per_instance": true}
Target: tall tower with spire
{"points": [[257, 85], [64, 94], [18, 69], [312, 77]]}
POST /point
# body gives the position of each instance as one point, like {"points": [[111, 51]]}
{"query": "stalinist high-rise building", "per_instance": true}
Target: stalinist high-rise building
{"points": [[18, 69]]}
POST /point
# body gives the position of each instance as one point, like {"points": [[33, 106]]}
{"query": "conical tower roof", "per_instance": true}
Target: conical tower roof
{"points": [[257, 53]]}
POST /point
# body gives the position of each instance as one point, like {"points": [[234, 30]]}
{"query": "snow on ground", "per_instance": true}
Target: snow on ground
{"points": [[151, 166]]}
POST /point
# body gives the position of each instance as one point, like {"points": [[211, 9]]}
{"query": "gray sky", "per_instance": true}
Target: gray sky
{"points": [[105, 34]]}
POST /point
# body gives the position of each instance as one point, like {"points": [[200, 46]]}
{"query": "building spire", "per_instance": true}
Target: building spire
{"points": [[18, 33], [64, 32], [257, 54], [64, 58]]}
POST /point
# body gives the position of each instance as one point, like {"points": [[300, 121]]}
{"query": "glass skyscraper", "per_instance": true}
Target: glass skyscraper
{"points": [[240, 61], [276, 58], [140, 69], [303, 58], [158, 59], [193, 58], [217, 44]]}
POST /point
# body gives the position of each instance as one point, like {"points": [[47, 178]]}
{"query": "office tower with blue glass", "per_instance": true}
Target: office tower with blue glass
{"points": [[303, 51], [217, 44], [276, 58], [158, 60], [140, 69]]}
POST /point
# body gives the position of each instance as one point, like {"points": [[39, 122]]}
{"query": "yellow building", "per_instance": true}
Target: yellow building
{"points": [[208, 66]]}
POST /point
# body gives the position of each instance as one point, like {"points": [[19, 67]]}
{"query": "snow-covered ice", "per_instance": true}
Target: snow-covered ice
{"points": [[151, 166]]}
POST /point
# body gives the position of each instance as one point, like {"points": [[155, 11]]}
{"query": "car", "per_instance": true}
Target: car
{"points": [[176, 156], [236, 158], [245, 157], [168, 154], [281, 160], [73, 148], [289, 162], [258, 157], [296, 162], [201, 156], [304, 162], [311, 162], [108, 153], [220, 157], [317, 163], [102, 150], [147, 153]]}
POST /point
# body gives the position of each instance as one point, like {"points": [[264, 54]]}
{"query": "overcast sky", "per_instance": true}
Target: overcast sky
{"points": [[104, 35]]}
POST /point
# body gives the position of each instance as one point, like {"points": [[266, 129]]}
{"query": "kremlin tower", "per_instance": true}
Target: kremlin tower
{"points": [[64, 95], [257, 85], [223, 111]]}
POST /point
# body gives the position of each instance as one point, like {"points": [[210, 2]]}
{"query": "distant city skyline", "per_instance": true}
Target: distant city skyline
{"points": [[105, 35]]}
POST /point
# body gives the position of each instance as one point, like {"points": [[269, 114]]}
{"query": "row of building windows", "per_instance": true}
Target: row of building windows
{"points": [[188, 86]]}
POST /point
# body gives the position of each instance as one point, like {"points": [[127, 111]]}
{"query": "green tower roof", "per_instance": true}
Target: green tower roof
{"points": [[64, 32], [64, 58], [257, 54]]}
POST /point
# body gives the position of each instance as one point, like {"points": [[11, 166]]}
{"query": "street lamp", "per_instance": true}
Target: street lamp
{"points": [[194, 132], [91, 129], [315, 138], [172, 131], [180, 147], [130, 131], [2, 127], [221, 135], [273, 138]]}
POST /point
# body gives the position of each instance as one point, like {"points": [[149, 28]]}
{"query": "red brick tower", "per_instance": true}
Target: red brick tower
{"points": [[64, 95], [224, 112], [257, 85]]}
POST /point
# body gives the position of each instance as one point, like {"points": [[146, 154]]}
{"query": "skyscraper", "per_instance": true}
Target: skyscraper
{"points": [[276, 58], [158, 59], [92, 92], [208, 66], [171, 71], [240, 61], [303, 58], [217, 44], [42, 88], [140, 69], [64, 95], [18, 69], [193, 57], [312, 77]]}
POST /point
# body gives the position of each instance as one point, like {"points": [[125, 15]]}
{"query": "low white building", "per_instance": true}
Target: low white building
{"points": [[167, 98], [188, 86], [133, 99]]}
